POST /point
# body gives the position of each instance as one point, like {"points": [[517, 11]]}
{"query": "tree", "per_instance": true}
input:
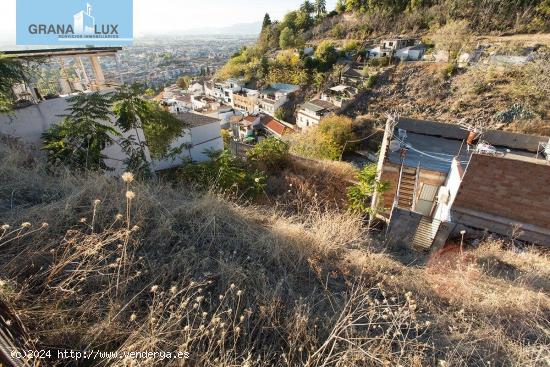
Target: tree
{"points": [[286, 40], [270, 154], [307, 7], [78, 141], [320, 8], [453, 38], [280, 114], [338, 129], [11, 72], [304, 21], [341, 6], [267, 21], [183, 81], [159, 127], [326, 55]]}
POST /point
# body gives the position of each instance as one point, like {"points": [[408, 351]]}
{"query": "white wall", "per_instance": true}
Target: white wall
{"points": [[30, 122], [305, 120], [200, 139], [454, 179]]}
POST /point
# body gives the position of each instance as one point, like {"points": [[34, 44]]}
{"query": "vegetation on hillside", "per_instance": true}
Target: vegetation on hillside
{"points": [[332, 138], [90, 262]]}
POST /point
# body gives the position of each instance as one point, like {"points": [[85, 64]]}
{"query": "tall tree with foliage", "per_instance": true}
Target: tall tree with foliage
{"points": [[320, 8], [307, 7], [160, 128], [267, 21], [286, 40], [184, 81], [341, 6], [78, 141]]}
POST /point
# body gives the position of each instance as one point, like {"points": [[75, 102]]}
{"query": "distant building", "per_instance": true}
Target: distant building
{"points": [[411, 53], [311, 113], [245, 129], [196, 88], [273, 127], [204, 103], [246, 101], [353, 77], [273, 97], [389, 47], [341, 95]]}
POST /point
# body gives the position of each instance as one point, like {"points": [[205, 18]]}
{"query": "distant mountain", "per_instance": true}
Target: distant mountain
{"points": [[240, 29]]}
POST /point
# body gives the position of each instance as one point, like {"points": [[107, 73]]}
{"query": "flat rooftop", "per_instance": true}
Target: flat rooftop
{"points": [[433, 145], [195, 120], [430, 152]]}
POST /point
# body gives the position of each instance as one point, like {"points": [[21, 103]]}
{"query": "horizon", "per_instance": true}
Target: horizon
{"points": [[169, 17]]}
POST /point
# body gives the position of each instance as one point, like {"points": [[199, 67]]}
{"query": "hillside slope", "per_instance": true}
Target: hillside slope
{"points": [[128, 266], [514, 98]]}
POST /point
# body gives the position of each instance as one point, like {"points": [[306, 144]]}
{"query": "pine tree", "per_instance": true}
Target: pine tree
{"points": [[267, 21]]}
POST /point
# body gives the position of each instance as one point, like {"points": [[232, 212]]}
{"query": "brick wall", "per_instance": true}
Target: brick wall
{"points": [[512, 189]]}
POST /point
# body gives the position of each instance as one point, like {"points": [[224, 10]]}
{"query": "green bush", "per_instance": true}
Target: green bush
{"points": [[224, 173], [449, 70], [371, 81], [269, 154], [360, 194], [329, 140]]}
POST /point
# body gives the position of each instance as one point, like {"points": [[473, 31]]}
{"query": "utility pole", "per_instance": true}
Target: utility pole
{"points": [[391, 122]]}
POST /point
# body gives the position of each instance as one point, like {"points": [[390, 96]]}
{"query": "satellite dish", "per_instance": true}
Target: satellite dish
{"points": [[395, 145]]}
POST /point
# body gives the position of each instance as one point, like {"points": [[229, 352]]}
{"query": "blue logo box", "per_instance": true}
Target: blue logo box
{"points": [[75, 22]]}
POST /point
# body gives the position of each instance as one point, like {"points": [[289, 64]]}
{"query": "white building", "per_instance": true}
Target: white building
{"points": [[411, 53], [196, 89], [273, 97], [340, 96], [203, 103], [202, 134], [311, 113]]}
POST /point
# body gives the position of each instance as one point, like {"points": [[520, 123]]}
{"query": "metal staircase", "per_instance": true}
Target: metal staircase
{"points": [[407, 188], [425, 234]]}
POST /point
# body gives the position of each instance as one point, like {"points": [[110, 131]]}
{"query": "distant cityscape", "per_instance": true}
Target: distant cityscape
{"points": [[158, 61], [155, 61]]}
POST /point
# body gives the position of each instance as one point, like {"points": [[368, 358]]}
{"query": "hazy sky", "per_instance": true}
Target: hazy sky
{"points": [[164, 16]]}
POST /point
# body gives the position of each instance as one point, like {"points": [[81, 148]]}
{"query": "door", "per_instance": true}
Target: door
{"points": [[425, 203]]}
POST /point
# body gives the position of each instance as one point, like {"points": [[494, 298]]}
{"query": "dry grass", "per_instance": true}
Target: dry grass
{"points": [[237, 285]]}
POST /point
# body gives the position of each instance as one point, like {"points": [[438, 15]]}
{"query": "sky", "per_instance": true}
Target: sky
{"points": [[167, 16]]}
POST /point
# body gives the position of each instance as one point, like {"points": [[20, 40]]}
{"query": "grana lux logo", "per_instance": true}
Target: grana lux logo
{"points": [[84, 26]]}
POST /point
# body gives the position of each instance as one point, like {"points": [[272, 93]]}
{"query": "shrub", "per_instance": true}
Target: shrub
{"points": [[371, 81], [313, 144], [360, 194], [269, 154], [224, 173], [374, 62], [338, 129], [448, 70], [329, 140]]}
